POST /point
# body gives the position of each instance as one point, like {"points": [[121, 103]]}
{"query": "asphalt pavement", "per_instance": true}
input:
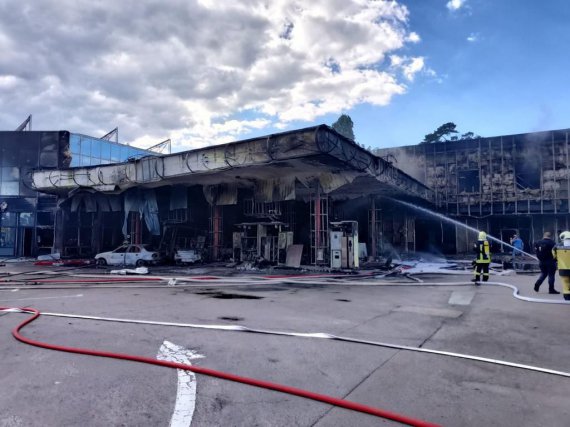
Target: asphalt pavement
{"points": [[48, 388]]}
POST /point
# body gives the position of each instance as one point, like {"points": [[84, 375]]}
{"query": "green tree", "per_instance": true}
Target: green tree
{"points": [[344, 126], [445, 130], [469, 135], [446, 133]]}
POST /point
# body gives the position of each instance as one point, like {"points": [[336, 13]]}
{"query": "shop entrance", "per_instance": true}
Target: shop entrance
{"points": [[26, 244]]}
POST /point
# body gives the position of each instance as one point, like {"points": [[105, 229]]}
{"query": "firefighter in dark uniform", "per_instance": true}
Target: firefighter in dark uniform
{"points": [[561, 254], [483, 259], [546, 262]]}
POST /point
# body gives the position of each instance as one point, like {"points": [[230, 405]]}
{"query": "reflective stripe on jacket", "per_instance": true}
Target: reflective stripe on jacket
{"points": [[562, 255], [483, 252]]}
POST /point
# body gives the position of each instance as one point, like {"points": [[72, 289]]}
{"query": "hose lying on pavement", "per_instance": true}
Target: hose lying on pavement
{"points": [[321, 335], [214, 373], [297, 280]]}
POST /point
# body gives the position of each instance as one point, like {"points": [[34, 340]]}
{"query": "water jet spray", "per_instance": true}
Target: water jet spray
{"points": [[458, 223]]}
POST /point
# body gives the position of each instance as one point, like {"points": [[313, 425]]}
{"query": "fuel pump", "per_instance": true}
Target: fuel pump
{"points": [[344, 244]]}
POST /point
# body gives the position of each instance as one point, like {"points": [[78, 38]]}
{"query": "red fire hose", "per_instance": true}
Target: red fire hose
{"points": [[88, 280], [218, 374]]}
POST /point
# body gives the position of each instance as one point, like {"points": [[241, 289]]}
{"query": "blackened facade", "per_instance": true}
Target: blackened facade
{"points": [[505, 185], [246, 200], [26, 216]]}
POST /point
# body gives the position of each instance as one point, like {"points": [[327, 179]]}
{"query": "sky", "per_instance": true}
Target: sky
{"points": [[204, 72]]}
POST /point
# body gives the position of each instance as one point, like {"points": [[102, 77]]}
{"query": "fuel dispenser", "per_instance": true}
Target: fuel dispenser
{"points": [[344, 244], [267, 240]]}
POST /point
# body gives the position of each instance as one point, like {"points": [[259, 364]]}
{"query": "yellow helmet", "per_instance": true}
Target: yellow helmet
{"points": [[565, 235], [482, 235]]}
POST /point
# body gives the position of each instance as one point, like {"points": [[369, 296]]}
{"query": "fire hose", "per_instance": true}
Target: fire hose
{"points": [[278, 387], [342, 403]]}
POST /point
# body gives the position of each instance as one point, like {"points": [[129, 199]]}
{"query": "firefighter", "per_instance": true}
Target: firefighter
{"points": [[546, 262], [561, 254], [483, 259]]}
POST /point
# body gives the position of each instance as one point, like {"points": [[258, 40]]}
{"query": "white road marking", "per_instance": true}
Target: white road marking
{"points": [[25, 299], [428, 311], [461, 297], [186, 393]]}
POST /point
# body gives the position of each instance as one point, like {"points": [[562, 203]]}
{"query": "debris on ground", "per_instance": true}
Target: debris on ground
{"points": [[247, 266], [64, 262], [124, 271], [49, 257], [293, 257], [458, 267]]}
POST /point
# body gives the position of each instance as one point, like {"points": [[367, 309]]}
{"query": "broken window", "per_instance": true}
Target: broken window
{"points": [[45, 218], [527, 173], [261, 209], [44, 238], [177, 216], [528, 180], [468, 181]]}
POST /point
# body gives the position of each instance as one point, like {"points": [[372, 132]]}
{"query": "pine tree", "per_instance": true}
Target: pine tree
{"points": [[344, 126]]}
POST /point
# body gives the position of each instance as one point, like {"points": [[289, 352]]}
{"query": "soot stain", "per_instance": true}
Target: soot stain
{"points": [[223, 295], [231, 318]]}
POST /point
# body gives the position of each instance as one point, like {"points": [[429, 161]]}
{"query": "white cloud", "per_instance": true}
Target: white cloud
{"points": [[198, 71], [8, 81], [409, 67], [473, 37], [413, 67], [455, 4], [413, 37], [396, 60], [433, 76]]}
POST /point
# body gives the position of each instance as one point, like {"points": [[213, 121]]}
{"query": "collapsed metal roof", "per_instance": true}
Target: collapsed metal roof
{"points": [[314, 154]]}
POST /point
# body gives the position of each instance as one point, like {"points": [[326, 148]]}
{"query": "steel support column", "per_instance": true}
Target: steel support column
{"points": [[216, 231], [319, 227], [136, 228]]}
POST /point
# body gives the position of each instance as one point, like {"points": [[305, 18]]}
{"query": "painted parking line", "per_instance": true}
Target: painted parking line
{"points": [[429, 311]]}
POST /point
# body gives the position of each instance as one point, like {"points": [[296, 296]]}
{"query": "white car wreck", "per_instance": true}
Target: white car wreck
{"points": [[138, 255], [187, 256]]}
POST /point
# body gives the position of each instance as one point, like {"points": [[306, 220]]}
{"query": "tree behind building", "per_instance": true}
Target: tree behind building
{"points": [[344, 126]]}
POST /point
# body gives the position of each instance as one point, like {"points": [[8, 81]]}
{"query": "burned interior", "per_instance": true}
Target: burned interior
{"points": [[507, 184]]}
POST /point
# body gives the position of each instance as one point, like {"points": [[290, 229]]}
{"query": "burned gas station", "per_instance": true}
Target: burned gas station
{"points": [[299, 251], [304, 197]]}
